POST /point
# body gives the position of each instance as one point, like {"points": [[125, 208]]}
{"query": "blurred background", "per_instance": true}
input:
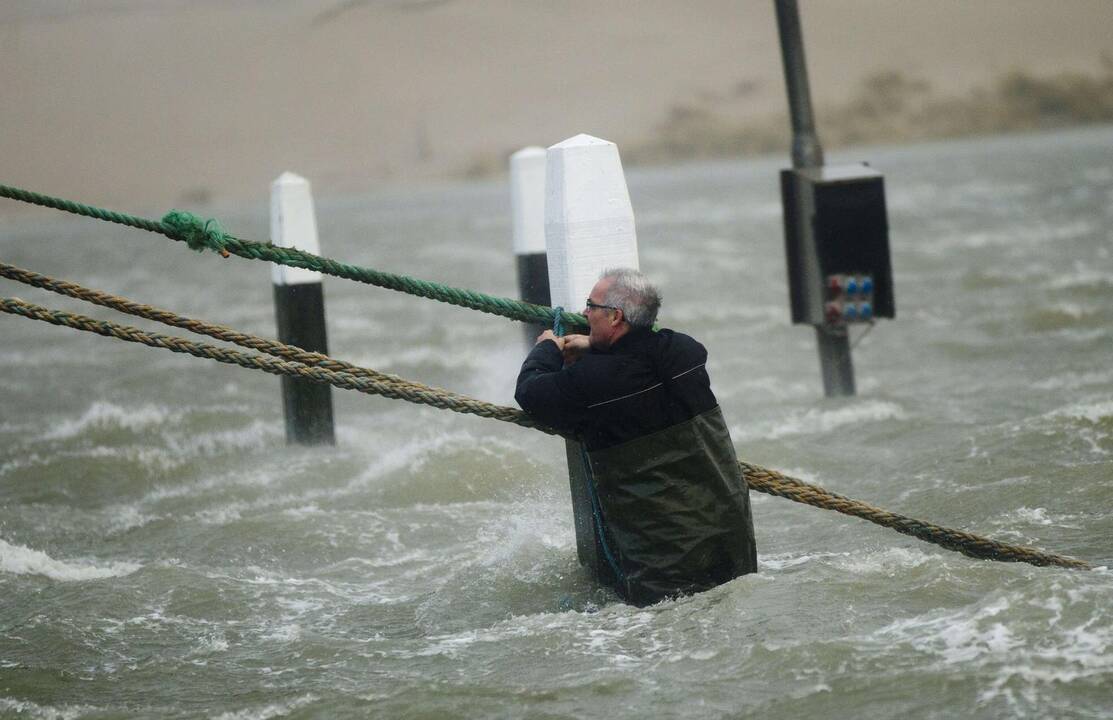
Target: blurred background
{"points": [[126, 102]]}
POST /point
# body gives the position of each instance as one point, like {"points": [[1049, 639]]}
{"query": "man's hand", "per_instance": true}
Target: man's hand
{"points": [[550, 335], [574, 348]]}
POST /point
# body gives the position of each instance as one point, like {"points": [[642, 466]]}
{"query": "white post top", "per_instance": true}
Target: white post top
{"points": [[589, 221], [293, 225], [527, 200]]}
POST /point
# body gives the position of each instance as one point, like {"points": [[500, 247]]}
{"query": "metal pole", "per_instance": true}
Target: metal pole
{"points": [[806, 150], [832, 341], [835, 363]]}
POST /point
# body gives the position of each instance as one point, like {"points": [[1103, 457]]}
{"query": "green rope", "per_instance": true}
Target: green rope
{"points": [[199, 234]]}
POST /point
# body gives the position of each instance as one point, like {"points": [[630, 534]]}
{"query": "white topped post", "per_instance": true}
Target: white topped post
{"points": [[589, 221], [299, 304], [527, 206], [589, 227]]}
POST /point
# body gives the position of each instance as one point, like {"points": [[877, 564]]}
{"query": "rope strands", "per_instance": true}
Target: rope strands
{"points": [[398, 390], [220, 332], [774, 483], [200, 234], [760, 479]]}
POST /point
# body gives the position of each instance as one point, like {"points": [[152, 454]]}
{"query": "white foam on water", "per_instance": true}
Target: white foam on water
{"points": [[122, 518], [1074, 311], [784, 561], [608, 641], [1084, 276], [227, 512], [818, 421], [407, 455], [1035, 516], [1080, 653], [285, 633], [1075, 381], [26, 708], [958, 636], [265, 712], [1023, 653], [212, 643], [1094, 411], [525, 543], [888, 561], [303, 512], [1042, 517], [258, 434], [20, 463], [1080, 336], [212, 482], [20, 560], [103, 414]]}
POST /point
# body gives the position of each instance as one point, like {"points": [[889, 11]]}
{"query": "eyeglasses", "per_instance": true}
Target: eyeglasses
{"points": [[592, 305]]}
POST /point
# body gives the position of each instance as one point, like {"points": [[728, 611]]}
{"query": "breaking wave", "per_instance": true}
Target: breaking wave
{"points": [[21, 560]]}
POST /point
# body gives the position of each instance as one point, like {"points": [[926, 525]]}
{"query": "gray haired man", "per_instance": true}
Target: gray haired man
{"points": [[671, 508]]}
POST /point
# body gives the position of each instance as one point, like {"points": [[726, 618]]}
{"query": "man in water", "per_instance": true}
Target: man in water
{"points": [[671, 508]]}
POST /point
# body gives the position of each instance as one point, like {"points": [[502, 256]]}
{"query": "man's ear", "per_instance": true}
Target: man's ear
{"points": [[619, 316]]}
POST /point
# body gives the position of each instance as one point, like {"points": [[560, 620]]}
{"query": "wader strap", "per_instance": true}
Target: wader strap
{"points": [[597, 513]]}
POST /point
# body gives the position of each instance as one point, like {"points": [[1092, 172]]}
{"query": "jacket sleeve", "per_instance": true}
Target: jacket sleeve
{"points": [[546, 391]]}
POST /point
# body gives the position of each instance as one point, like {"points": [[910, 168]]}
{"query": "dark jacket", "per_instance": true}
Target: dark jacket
{"points": [[673, 507]]}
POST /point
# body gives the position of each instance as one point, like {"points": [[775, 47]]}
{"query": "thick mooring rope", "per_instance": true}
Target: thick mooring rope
{"points": [[758, 478], [220, 332], [370, 384], [200, 234], [774, 483]]}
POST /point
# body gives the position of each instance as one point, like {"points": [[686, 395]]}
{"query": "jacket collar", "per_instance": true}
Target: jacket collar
{"points": [[632, 343]]}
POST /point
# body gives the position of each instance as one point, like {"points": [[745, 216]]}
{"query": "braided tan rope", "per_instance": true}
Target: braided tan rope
{"points": [[369, 384], [758, 478], [774, 483], [220, 332]]}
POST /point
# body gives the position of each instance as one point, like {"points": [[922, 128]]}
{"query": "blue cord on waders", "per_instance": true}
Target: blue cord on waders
{"points": [[558, 323], [597, 513]]}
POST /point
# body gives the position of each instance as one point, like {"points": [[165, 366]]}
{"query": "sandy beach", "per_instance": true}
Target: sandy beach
{"points": [[134, 104]]}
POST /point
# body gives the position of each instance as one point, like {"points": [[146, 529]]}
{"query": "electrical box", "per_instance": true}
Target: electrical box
{"points": [[837, 244]]}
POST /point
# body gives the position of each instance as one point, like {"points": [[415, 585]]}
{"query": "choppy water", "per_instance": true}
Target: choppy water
{"points": [[162, 553]]}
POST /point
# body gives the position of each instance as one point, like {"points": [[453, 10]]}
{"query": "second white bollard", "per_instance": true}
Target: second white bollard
{"points": [[299, 305], [527, 207]]}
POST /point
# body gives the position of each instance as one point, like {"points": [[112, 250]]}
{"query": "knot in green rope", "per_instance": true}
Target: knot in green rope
{"points": [[196, 232]]}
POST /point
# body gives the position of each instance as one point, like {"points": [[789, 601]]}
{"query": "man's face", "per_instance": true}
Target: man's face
{"points": [[603, 323]]}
